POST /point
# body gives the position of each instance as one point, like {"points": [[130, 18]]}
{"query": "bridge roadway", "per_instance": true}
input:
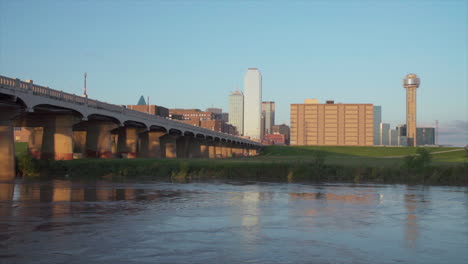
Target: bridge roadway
{"points": [[64, 126]]}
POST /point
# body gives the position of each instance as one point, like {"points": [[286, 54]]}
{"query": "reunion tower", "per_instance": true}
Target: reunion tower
{"points": [[411, 83]]}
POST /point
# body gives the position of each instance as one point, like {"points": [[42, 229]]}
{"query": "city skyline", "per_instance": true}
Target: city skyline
{"points": [[362, 48]]}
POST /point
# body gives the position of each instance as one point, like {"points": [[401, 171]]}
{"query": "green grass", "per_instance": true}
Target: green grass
{"points": [[358, 156], [346, 151]]}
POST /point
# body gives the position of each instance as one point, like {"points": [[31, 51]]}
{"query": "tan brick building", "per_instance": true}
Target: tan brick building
{"points": [[332, 124]]}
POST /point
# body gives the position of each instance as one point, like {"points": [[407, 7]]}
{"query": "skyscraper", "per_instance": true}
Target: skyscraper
{"points": [[253, 104], [236, 111], [377, 121], [384, 134], [411, 83], [268, 112]]}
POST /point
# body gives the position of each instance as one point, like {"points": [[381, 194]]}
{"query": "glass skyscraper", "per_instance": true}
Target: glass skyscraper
{"points": [[236, 111], [377, 121], [268, 111]]}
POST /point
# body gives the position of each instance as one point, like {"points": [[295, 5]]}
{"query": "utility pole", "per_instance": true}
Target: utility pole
{"points": [[84, 89]]}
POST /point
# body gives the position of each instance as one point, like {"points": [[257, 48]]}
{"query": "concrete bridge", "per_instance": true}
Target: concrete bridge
{"points": [[64, 126]]}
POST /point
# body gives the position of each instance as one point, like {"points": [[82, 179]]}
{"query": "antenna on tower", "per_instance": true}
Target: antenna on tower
{"points": [[84, 89]]}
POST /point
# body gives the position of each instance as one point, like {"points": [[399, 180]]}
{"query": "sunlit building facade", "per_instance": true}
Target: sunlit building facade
{"points": [[332, 124], [236, 111], [268, 112], [253, 104]]}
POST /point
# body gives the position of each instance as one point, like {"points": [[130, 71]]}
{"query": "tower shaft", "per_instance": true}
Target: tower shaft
{"points": [[411, 115], [411, 83]]}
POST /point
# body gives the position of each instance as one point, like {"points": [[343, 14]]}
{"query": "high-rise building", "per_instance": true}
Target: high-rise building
{"points": [[425, 136], [401, 132], [411, 83], [332, 124], [384, 134], [236, 111], [268, 112], [218, 114], [393, 137], [253, 104], [377, 121]]}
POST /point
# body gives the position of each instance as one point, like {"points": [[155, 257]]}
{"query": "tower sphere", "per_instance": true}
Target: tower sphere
{"points": [[411, 81]]}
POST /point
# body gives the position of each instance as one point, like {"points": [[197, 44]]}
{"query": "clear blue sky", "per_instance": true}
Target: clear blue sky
{"points": [[191, 54]]}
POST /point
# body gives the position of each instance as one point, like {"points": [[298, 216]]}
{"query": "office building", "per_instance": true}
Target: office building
{"points": [[236, 111], [283, 130], [268, 112], [332, 124], [377, 121], [253, 104], [151, 109], [411, 83], [384, 134], [401, 133], [425, 136], [274, 139], [393, 137]]}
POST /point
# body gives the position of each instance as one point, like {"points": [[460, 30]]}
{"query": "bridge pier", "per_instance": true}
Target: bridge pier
{"points": [[57, 137], [7, 144], [169, 146], [204, 151], [211, 149], [194, 148], [127, 142], [218, 150], [99, 139], [35, 141], [79, 144], [154, 144], [182, 146], [226, 150]]}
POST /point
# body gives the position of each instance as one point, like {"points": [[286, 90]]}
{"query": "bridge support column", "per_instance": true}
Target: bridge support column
{"points": [[99, 139], [7, 144], [194, 148], [127, 142], [237, 151], [204, 151], [211, 149], [57, 138], [169, 146], [219, 150], [154, 144], [79, 144], [183, 147], [35, 141], [224, 150]]}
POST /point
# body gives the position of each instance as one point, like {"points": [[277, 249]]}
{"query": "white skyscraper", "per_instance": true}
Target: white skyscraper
{"points": [[253, 104], [236, 111]]}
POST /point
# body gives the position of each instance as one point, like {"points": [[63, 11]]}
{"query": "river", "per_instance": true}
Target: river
{"points": [[231, 222]]}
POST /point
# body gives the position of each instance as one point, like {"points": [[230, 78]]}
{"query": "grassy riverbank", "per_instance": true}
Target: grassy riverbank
{"points": [[277, 163]]}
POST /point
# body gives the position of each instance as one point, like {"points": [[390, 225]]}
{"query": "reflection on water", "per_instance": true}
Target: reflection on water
{"points": [[233, 222]]}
